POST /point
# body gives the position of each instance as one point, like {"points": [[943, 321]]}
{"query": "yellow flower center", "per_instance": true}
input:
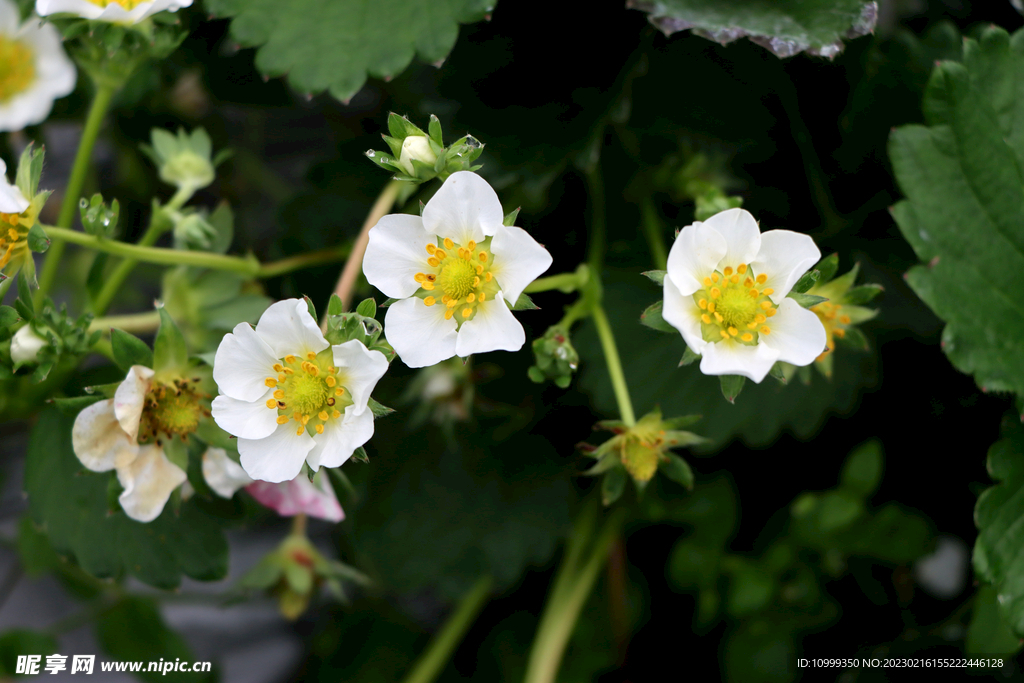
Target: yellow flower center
{"points": [[734, 304], [834, 322], [17, 68], [127, 4], [461, 275], [172, 410], [307, 390], [13, 238]]}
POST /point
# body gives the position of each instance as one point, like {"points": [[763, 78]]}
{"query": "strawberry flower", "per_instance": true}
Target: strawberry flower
{"points": [[118, 11]]}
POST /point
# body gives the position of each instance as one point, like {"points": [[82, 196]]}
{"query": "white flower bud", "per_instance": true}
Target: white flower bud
{"points": [[187, 170], [26, 345], [416, 147]]}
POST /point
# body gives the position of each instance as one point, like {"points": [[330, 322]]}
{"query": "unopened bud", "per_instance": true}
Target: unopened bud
{"points": [[26, 345], [416, 147]]}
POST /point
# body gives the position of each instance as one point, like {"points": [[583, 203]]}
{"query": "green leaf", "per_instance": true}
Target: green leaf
{"points": [[785, 27], [34, 551], [613, 484], [71, 504], [25, 642], [133, 630], [989, 633], [333, 45], [37, 239], [652, 318], [170, 353], [223, 221], [964, 205], [862, 470], [129, 350], [678, 470], [525, 303], [999, 515], [367, 307], [731, 385]]}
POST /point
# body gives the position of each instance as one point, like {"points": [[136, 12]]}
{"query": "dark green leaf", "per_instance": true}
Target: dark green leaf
{"points": [[24, 303], [785, 27], [335, 307], [989, 633], [689, 356], [129, 350], [827, 268], [34, 551], [378, 409], [310, 307], [170, 353], [24, 642], [73, 406], [332, 46], [862, 470], [223, 221]]}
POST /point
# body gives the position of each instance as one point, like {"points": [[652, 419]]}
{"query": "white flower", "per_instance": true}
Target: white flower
{"points": [[119, 11], [726, 293], [12, 201], [416, 147], [26, 345], [452, 268], [105, 437], [34, 71], [290, 397]]}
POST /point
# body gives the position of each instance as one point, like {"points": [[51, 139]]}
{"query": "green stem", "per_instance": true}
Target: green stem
{"points": [[611, 357], [307, 260], [575, 581], [157, 227], [565, 282], [100, 104], [433, 660], [653, 232], [595, 183], [136, 323]]}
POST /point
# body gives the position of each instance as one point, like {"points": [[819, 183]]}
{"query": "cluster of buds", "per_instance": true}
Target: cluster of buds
{"points": [[418, 157], [556, 358], [640, 451]]}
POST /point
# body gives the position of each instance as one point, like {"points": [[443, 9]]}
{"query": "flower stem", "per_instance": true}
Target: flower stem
{"points": [[611, 357], [136, 323], [299, 524], [433, 660], [100, 104], [595, 183], [565, 282], [653, 232], [354, 264], [124, 268], [575, 580]]}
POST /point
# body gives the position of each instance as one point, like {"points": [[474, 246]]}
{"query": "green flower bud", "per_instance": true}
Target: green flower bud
{"points": [[416, 147], [557, 360], [417, 156], [184, 160], [843, 312]]}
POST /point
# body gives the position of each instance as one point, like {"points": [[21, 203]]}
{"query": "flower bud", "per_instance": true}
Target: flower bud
{"points": [[556, 357], [26, 345], [193, 232], [183, 160], [416, 147]]}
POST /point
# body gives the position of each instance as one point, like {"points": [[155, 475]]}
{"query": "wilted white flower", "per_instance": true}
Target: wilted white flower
{"points": [[290, 397], [106, 437], [454, 270], [34, 71], [118, 11], [726, 289]]}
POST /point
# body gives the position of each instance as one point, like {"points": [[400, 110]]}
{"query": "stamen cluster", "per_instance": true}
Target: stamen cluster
{"points": [[307, 391], [172, 409], [17, 68], [462, 274], [735, 305]]}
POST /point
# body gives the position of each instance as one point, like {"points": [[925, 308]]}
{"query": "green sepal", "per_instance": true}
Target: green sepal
{"points": [[657, 276], [827, 268], [378, 409], [401, 127], [806, 282], [434, 130], [176, 451], [525, 303], [310, 307], [807, 300], [265, 574], [335, 306], [30, 170], [510, 217], [681, 422], [129, 350], [613, 484], [732, 385], [689, 356], [360, 455], [862, 294], [170, 353], [677, 469], [854, 338], [389, 301], [73, 406], [24, 303], [8, 316], [778, 373], [367, 308], [652, 318], [394, 144], [37, 239]]}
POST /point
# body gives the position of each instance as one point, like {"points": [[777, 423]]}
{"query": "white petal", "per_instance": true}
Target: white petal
{"points": [[98, 440], [278, 457], [694, 256], [224, 475], [359, 370], [733, 358], [492, 328], [419, 333], [797, 334], [299, 496], [395, 253], [113, 12], [11, 198], [130, 398], [288, 328], [148, 482], [784, 257], [742, 236], [10, 21], [465, 208], [340, 439], [518, 260], [243, 363], [682, 313], [245, 419]]}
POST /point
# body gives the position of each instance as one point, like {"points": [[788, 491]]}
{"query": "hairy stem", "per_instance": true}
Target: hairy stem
{"points": [[136, 323], [125, 267], [97, 112], [433, 660], [653, 232], [611, 357]]}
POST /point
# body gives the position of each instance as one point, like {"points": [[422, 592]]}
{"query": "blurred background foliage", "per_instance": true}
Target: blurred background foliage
{"points": [[814, 501]]}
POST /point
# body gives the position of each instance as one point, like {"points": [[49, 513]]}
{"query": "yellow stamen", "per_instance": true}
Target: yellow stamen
{"points": [[319, 429], [448, 314], [331, 381], [844, 319], [725, 335], [715, 292], [481, 297], [299, 431], [433, 261], [440, 254], [707, 282], [282, 419], [483, 256], [765, 329], [728, 271], [278, 394], [278, 367], [747, 337], [471, 298], [711, 307], [271, 403], [762, 278], [703, 303], [429, 286], [419, 277], [471, 245], [715, 277], [770, 312], [759, 318], [335, 414], [270, 382], [430, 301], [769, 291], [466, 312], [706, 318], [733, 331], [431, 248], [323, 415], [742, 268], [339, 391], [448, 244]]}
